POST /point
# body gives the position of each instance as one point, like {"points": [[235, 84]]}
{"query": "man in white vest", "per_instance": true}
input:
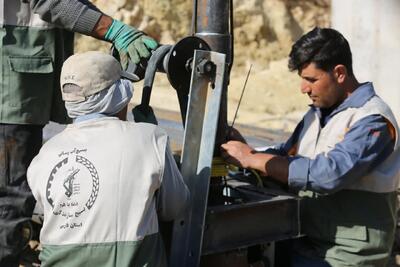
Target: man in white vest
{"points": [[343, 158], [103, 182], [36, 37]]}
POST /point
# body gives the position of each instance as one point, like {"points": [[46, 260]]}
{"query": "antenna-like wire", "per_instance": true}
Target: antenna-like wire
{"points": [[241, 96]]}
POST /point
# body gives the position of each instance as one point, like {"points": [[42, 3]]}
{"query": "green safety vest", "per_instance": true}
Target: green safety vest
{"points": [[32, 53]]}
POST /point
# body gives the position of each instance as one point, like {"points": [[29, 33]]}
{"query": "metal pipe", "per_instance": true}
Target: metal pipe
{"points": [[194, 22], [210, 27], [217, 33]]}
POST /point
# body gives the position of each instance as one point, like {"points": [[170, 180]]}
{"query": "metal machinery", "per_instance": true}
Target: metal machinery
{"points": [[227, 212]]}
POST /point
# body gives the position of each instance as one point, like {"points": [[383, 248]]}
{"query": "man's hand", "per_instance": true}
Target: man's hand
{"points": [[237, 153], [235, 135], [244, 156], [131, 44]]}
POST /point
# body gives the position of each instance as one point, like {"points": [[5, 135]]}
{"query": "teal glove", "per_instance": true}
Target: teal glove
{"points": [[131, 43]]}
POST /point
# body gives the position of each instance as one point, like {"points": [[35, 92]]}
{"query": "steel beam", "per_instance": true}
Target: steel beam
{"points": [[264, 216], [197, 155]]}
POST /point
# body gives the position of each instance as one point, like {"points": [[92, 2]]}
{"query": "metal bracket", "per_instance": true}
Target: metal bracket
{"points": [[197, 153]]}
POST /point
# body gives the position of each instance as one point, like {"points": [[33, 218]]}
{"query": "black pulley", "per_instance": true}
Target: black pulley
{"points": [[178, 62], [178, 66]]}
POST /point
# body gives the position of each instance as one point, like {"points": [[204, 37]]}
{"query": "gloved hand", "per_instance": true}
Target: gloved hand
{"points": [[143, 113], [130, 43]]}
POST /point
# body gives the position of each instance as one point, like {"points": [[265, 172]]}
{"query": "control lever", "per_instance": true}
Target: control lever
{"points": [[143, 112], [176, 61]]}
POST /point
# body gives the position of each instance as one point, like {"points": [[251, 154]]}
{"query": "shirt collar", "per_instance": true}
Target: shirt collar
{"points": [[357, 99], [88, 117]]}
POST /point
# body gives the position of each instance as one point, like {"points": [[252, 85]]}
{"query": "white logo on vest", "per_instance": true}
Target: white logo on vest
{"points": [[72, 188]]}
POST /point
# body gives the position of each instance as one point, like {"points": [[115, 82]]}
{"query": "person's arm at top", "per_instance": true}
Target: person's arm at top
{"points": [[173, 196], [83, 17], [74, 15]]}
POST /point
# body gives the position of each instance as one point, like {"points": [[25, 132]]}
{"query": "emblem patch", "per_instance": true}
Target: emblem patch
{"points": [[72, 188]]}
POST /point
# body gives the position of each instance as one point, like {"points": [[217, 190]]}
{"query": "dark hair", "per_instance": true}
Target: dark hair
{"points": [[323, 46]]}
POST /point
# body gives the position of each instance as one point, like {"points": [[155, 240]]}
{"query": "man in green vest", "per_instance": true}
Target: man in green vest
{"points": [[37, 36], [343, 158]]}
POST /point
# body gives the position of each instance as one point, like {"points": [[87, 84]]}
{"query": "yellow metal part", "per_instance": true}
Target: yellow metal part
{"points": [[219, 167]]}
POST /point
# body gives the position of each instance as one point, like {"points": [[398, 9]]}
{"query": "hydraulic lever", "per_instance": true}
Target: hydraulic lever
{"points": [[176, 61]]}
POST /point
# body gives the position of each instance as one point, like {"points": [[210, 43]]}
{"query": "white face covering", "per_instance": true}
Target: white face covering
{"points": [[107, 102]]}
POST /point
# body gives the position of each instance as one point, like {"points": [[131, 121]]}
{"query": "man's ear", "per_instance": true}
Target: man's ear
{"points": [[340, 73]]}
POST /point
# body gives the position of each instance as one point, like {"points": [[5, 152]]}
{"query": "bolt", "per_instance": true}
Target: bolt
{"points": [[206, 67], [188, 65]]}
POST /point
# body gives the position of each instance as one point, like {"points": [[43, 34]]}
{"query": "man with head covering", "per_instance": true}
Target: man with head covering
{"points": [[36, 37], [103, 181]]}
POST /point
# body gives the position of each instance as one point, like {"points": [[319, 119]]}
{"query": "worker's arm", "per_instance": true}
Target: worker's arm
{"points": [[74, 15], [173, 196], [289, 148], [242, 155], [272, 161], [367, 144], [83, 17]]}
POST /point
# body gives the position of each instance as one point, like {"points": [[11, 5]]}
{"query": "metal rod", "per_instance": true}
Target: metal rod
{"points": [[241, 96], [194, 18], [213, 26], [232, 35]]}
